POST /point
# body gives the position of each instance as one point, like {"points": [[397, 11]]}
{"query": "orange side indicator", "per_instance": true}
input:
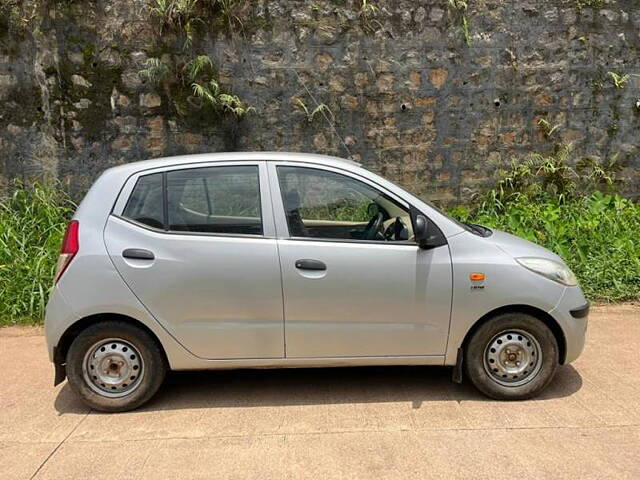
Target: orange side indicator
{"points": [[476, 277]]}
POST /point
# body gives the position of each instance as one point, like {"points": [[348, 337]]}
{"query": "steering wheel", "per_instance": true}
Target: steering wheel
{"points": [[373, 227], [400, 231], [397, 231]]}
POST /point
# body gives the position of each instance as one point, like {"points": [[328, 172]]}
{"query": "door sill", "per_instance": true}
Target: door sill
{"points": [[315, 362]]}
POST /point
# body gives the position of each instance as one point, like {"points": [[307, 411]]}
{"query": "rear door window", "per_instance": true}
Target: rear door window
{"points": [[215, 200]]}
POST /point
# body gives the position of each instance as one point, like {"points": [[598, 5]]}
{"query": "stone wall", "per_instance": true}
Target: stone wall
{"points": [[408, 97]]}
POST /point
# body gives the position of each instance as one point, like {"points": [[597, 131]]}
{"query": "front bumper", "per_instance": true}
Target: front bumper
{"points": [[580, 312], [572, 314]]}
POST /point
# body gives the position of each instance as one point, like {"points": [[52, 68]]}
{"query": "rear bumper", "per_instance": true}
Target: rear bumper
{"points": [[572, 314], [57, 318]]}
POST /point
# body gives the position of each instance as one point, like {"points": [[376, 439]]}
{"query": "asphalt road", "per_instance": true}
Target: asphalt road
{"points": [[331, 423]]}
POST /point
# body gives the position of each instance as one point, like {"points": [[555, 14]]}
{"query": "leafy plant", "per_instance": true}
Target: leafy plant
{"points": [[368, 12], [156, 71], [539, 175], [589, 3], [178, 15], [32, 223], [310, 114], [228, 10], [194, 85], [182, 16], [16, 16], [200, 76], [200, 65], [619, 81], [461, 6], [547, 128]]}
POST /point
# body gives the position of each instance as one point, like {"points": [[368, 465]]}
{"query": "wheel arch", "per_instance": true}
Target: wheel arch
{"points": [[61, 349], [541, 315]]}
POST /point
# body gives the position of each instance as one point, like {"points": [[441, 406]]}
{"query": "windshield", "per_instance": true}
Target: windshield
{"points": [[479, 230], [474, 228]]}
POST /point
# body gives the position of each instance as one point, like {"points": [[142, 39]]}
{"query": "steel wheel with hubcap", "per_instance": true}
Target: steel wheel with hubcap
{"points": [[511, 356]]}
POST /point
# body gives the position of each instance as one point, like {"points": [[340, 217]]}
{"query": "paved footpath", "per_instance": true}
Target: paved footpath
{"points": [[371, 423]]}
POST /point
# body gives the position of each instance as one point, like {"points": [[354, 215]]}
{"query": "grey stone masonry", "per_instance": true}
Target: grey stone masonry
{"points": [[405, 93]]}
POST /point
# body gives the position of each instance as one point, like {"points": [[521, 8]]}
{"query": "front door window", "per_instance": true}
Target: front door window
{"points": [[327, 205]]}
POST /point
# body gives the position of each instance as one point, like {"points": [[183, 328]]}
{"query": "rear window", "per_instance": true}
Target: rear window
{"points": [[200, 200], [145, 204]]}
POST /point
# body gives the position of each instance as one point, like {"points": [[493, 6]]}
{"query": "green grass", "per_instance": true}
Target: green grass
{"points": [[32, 223]]}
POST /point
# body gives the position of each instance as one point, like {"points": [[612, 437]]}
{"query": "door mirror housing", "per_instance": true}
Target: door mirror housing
{"points": [[420, 230], [426, 233]]}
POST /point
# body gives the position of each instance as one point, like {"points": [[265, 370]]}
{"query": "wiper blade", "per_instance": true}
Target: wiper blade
{"points": [[479, 229]]}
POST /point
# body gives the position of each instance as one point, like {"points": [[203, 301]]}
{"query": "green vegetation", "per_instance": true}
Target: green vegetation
{"points": [[368, 12], [339, 212], [178, 15], [156, 71], [199, 73], [32, 223], [618, 80], [576, 213], [16, 16], [589, 3], [310, 114], [191, 82], [547, 129], [460, 8], [193, 86], [184, 16]]}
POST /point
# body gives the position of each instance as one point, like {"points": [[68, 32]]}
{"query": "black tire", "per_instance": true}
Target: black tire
{"points": [[484, 338], [152, 360]]}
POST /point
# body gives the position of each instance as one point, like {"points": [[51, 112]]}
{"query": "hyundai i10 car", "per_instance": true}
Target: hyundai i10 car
{"points": [[254, 260]]}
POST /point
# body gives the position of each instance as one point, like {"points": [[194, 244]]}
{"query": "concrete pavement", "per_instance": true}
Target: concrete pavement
{"points": [[331, 423]]}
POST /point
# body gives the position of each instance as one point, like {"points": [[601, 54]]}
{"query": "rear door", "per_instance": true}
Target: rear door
{"points": [[196, 245]]}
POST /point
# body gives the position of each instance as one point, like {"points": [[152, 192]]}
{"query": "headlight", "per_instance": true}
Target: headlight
{"points": [[551, 269]]}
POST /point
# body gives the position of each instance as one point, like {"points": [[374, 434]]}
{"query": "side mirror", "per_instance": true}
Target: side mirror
{"points": [[420, 230]]}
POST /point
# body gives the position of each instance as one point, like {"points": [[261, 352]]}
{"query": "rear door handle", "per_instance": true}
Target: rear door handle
{"points": [[308, 264], [138, 254]]}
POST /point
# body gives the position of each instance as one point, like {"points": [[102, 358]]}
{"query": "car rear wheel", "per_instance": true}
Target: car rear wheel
{"points": [[115, 366], [513, 356]]}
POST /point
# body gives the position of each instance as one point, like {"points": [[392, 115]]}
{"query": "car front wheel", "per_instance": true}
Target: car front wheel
{"points": [[115, 366], [512, 356]]}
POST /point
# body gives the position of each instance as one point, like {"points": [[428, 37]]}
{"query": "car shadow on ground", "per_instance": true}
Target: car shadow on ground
{"points": [[316, 386]]}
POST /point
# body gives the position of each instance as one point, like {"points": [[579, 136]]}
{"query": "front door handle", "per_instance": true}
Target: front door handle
{"points": [[138, 254], [308, 264]]}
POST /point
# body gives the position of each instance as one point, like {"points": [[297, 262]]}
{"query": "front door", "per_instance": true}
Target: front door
{"points": [[197, 247], [355, 283]]}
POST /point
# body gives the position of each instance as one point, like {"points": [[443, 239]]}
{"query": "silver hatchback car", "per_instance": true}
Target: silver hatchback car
{"points": [[253, 260]]}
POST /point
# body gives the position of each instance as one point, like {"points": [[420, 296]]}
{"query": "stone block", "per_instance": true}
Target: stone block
{"points": [[150, 100]]}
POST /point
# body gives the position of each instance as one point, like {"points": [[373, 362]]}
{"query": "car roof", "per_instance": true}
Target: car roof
{"points": [[134, 167]]}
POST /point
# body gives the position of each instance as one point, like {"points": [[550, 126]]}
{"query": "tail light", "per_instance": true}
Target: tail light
{"points": [[70, 246]]}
